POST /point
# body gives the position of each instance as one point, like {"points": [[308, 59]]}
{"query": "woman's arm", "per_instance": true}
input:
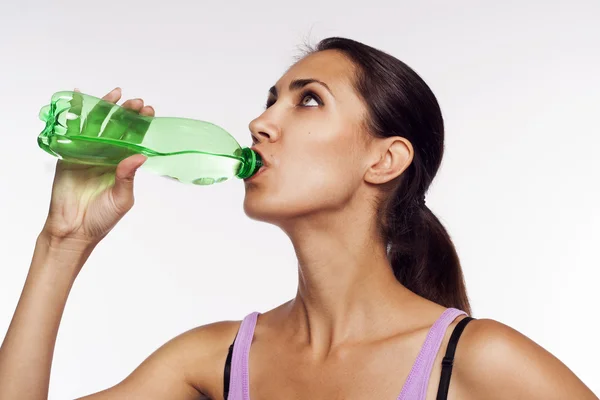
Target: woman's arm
{"points": [[494, 361], [26, 352], [183, 368]]}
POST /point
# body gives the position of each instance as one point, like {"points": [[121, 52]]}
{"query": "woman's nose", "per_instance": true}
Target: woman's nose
{"points": [[263, 129]]}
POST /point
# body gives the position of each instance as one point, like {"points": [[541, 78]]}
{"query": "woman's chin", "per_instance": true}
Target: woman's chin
{"points": [[255, 208], [267, 210]]}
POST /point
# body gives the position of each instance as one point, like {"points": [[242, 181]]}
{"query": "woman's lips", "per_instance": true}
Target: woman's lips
{"points": [[260, 172], [265, 161]]}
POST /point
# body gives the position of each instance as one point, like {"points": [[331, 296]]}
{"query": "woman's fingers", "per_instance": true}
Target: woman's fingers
{"points": [[95, 118], [121, 124], [134, 104], [113, 96], [136, 131], [120, 121], [148, 111]]}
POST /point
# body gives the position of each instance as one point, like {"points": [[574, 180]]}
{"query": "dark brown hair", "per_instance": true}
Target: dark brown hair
{"points": [[400, 103]]}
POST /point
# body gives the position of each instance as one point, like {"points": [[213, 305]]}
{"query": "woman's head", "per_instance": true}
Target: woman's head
{"points": [[351, 127], [312, 135]]}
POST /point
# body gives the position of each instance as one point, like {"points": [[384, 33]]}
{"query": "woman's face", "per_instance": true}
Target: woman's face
{"points": [[312, 139]]}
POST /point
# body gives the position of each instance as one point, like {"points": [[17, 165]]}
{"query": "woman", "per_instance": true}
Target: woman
{"points": [[352, 139]]}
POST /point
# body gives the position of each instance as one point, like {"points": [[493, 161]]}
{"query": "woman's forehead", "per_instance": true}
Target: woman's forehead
{"points": [[329, 66]]}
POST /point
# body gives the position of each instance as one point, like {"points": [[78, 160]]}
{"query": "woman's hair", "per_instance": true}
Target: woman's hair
{"points": [[400, 103]]}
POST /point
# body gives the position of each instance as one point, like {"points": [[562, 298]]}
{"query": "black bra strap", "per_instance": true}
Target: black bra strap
{"points": [[227, 374], [448, 360]]}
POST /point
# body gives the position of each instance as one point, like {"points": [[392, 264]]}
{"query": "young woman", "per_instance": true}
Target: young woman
{"points": [[352, 138]]}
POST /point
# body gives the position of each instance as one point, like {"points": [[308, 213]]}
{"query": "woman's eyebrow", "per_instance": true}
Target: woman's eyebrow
{"points": [[299, 84]]}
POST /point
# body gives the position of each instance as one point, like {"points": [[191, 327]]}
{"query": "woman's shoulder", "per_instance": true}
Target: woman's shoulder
{"points": [[189, 363], [496, 361], [202, 352]]}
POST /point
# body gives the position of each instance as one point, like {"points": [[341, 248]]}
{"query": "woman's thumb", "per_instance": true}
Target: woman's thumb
{"points": [[124, 175]]}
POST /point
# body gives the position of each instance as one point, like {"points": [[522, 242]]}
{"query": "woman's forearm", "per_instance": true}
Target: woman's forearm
{"points": [[27, 349]]}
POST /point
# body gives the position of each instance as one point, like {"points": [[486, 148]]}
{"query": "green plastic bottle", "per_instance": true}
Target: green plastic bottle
{"points": [[88, 130]]}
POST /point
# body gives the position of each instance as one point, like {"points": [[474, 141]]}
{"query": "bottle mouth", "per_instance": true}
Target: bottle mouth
{"points": [[251, 163]]}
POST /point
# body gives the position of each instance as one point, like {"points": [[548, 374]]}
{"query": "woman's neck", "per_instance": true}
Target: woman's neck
{"points": [[346, 286]]}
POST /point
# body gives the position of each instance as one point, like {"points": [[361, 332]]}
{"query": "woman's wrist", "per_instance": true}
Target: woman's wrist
{"points": [[65, 244], [61, 254]]}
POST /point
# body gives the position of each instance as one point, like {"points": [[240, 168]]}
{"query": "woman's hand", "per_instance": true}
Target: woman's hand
{"points": [[88, 201]]}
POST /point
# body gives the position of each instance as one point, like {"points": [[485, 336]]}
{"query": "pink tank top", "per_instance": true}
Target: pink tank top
{"points": [[415, 387]]}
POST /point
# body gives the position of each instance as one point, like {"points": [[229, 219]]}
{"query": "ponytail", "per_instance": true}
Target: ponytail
{"points": [[424, 258]]}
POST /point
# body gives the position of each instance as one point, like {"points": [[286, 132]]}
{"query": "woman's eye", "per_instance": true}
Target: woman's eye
{"points": [[310, 97], [307, 98]]}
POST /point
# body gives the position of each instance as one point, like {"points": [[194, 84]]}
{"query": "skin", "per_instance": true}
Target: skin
{"points": [[351, 332]]}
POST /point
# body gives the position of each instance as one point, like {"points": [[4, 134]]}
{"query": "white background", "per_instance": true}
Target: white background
{"points": [[519, 86]]}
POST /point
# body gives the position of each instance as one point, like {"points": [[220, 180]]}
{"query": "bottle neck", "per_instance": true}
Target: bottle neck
{"points": [[251, 163]]}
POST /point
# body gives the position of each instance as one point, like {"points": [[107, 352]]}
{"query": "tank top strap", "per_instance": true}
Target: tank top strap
{"points": [[415, 387], [239, 384]]}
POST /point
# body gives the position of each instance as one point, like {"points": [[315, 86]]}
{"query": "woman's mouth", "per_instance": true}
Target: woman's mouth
{"points": [[260, 171]]}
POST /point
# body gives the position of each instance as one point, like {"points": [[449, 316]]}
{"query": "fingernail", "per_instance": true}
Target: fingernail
{"points": [[77, 90]]}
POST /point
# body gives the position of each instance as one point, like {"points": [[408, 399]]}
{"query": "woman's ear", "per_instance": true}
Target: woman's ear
{"points": [[391, 157]]}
